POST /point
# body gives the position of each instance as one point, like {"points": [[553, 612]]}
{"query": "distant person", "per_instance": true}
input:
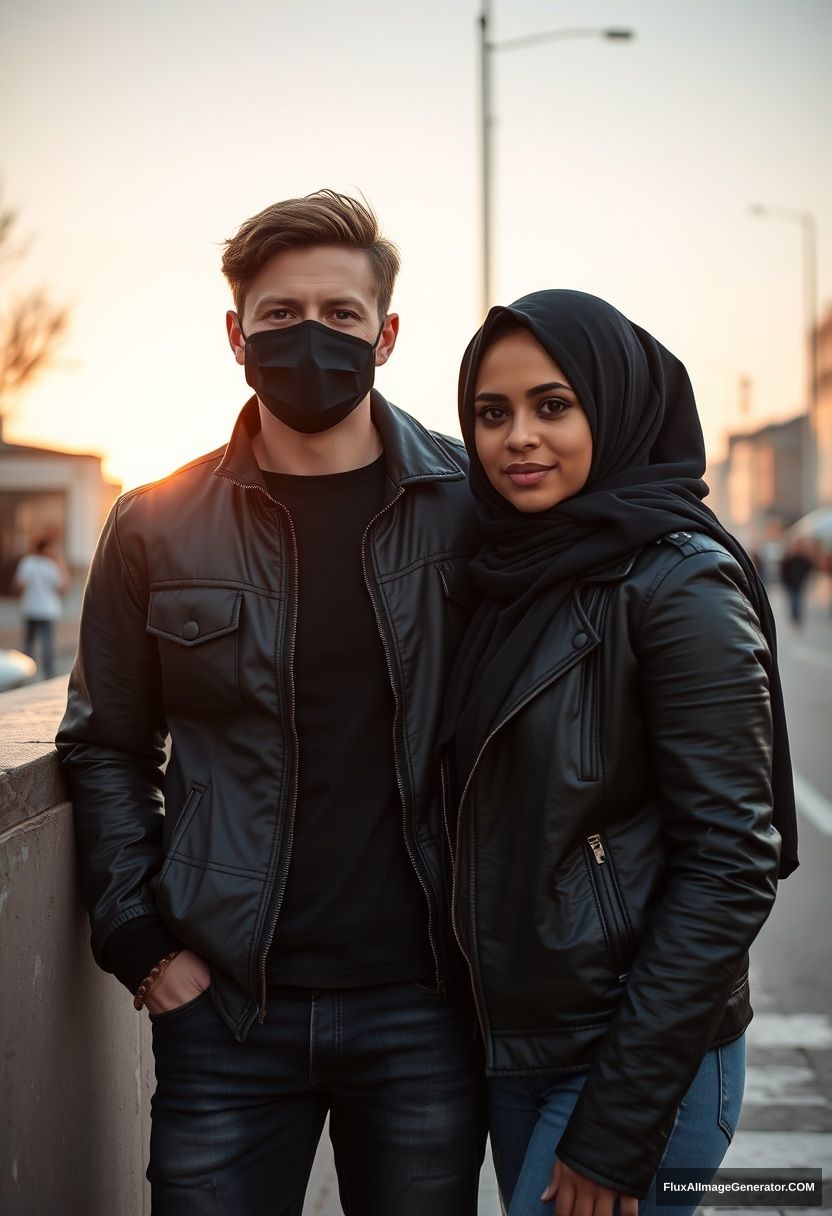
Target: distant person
{"points": [[287, 607], [40, 579], [795, 567]]}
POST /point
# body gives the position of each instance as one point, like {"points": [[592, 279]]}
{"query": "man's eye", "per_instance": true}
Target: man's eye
{"points": [[278, 314], [344, 314]]}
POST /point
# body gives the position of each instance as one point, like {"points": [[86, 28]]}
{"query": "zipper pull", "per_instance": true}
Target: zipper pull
{"points": [[598, 853]]}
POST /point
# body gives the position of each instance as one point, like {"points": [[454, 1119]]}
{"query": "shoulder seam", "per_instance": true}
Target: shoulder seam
{"points": [[192, 464]]}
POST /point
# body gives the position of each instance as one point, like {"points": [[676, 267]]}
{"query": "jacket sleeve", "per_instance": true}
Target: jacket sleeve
{"points": [[704, 677], [111, 746]]}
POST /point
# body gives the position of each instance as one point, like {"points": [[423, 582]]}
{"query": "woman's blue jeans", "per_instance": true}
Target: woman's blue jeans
{"points": [[529, 1115]]}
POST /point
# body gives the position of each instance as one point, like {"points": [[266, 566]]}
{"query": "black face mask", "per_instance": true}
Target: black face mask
{"points": [[309, 375]]}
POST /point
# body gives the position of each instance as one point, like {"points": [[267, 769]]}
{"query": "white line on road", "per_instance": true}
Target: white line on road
{"points": [[781, 1085], [808, 654], [813, 805], [790, 1030], [773, 1150]]}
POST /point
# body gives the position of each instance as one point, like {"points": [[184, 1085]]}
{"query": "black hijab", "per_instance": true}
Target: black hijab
{"points": [[645, 481]]}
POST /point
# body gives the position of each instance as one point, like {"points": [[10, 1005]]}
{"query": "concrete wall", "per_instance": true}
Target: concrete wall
{"points": [[77, 1067]]}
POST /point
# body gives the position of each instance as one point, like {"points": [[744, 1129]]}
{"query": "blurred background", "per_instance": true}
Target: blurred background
{"points": [[678, 171], [667, 156]]}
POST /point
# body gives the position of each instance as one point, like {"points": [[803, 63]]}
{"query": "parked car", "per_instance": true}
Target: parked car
{"points": [[15, 669]]}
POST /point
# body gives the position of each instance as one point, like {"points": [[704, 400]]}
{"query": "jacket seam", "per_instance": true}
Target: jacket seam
{"points": [[548, 1030], [220, 867], [427, 560], [124, 562], [122, 918], [222, 584]]}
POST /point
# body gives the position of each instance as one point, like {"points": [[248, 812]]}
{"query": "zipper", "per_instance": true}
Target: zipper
{"points": [[530, 697], [397, 709], [454, 857], [281, 891], [611, 905]]}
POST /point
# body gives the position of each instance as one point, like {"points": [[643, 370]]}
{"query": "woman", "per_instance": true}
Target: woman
{"points": [[616, 750]]}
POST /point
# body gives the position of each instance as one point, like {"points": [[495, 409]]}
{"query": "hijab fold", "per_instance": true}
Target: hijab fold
{"points": [[645, 481]]}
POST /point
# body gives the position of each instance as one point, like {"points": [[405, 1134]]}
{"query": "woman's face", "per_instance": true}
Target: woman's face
{"points": [[532, 437]]}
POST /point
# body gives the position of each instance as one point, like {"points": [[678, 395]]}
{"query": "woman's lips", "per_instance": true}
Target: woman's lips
{"points": [[528, 474]]}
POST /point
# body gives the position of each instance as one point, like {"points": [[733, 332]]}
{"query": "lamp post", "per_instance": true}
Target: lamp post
{"points": [[808, 225], [487, 48]]}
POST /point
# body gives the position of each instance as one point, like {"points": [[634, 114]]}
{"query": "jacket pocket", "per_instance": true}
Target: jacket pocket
{"points": [[459, 595], [197, 631], [609, 902], [590, 757], [192, 801]]}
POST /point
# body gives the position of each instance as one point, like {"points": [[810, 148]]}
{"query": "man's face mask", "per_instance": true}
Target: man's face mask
{"points": [[309, 375]]}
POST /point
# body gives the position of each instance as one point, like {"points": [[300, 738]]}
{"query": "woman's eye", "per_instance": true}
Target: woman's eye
{"points": [[492, 414], [552, 407]]}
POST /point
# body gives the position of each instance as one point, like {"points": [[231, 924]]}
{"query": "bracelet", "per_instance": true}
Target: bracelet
{"points": [[152, 977]]}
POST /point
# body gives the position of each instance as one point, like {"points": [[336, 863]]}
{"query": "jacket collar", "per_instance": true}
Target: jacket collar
{"points": [[411, 453], [614, 572]]}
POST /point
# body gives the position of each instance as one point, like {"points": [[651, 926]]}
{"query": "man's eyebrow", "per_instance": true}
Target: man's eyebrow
{"points": [[274, 300], [344, 301]]}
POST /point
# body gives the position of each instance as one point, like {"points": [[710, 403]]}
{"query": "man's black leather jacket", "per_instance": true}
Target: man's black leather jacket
{"points": [[614, 854], [188, 630]]}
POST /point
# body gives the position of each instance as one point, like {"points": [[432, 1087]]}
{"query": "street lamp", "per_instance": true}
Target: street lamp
{"points": [[487, 116], [806, 220]]}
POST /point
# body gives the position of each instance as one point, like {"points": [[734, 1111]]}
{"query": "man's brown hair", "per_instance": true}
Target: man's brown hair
{"points": [[322, 218]]}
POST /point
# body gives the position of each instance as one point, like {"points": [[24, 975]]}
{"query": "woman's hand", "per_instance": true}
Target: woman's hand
{"points": [[183, 979], [579, 1196]]}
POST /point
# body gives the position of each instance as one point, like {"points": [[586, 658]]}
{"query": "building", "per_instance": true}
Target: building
{"points": [[823, 412], [758, 489], [45, 493]]}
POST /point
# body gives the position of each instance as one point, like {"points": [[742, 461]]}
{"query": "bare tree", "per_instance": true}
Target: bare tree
{"points": [[31, 326]]}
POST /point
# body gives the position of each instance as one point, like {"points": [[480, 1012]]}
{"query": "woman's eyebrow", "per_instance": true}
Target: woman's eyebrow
{"points": [[491, 397], [544, 388]]}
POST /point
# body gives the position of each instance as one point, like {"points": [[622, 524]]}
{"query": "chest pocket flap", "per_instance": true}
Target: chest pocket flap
{"points": [[191, 615]]}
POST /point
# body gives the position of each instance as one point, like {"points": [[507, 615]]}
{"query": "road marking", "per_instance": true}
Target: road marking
{"points": [[781, 1085], [774, 1150], [489, 1195], [813, 805], [790, 1030], [808, 654]]}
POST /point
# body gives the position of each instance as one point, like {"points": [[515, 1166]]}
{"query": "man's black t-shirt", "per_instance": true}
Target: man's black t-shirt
{"points": [[353, 911]]}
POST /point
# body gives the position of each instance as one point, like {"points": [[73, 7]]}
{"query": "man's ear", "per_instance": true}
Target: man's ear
{"points": [[389, 333], [235, 336]]}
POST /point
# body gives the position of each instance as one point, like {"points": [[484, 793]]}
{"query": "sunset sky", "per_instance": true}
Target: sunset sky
{"points": [[137, 138]]}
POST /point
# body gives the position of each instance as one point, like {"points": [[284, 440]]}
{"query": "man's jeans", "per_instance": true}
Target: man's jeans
{"points": [[529, 1115], [236, 1125]]}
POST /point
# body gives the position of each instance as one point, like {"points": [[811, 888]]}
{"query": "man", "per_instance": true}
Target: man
{"points": [[41, 578], [287, 609]]}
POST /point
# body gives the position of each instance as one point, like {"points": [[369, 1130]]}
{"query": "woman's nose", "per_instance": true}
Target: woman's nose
{"points": [[522, 436]]}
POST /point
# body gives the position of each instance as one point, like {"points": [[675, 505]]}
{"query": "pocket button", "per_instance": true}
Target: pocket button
{"points": [[190, 630]]}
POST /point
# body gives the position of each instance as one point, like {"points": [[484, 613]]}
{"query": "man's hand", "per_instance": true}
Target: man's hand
{"points": [[578, 1196], [183, 979]]}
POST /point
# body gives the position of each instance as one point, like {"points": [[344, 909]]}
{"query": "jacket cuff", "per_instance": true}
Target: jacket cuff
{"points": [[615, 1184], [135, 947]]}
